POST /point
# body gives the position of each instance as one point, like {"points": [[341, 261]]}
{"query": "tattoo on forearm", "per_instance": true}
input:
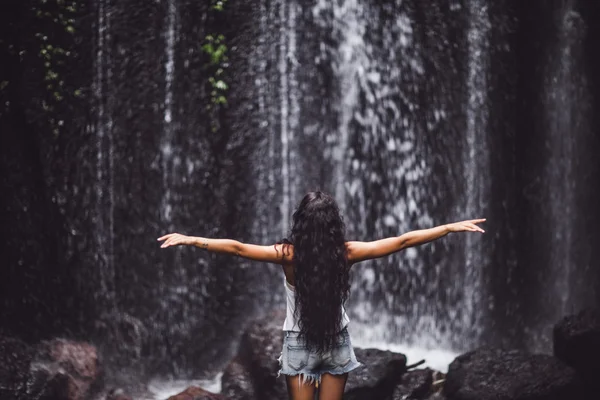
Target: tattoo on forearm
{"points": [[204, 244]]}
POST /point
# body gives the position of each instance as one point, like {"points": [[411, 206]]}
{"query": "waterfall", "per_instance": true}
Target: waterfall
{"points": [[562, 181], [394, 107], [477, 160], [285, 128], [104, 190], [382, 177], [565, 101], [166, 148], [352, 60]]}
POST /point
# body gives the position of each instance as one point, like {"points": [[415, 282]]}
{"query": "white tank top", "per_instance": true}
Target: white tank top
{"points": [[291, 323]]}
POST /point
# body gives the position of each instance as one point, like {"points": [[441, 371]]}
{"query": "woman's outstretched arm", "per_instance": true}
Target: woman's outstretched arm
{"points": [[274, 254], [360, 251]]}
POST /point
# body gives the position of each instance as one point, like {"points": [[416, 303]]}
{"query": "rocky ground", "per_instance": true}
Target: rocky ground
{"points": [[68, 370]]}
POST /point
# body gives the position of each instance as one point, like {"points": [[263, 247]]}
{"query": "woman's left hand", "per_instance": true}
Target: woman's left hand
{"points": [[175, 239], [469, 225]]}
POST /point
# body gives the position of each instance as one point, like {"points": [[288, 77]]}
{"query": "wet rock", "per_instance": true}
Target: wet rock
{"points": [[375, 366], [126, 335], [15, 358], [49, 382], [495, 374], [197, 393], [436, 396], [252, 374], [256, 365], [236, 382], [69, 367], [52, 370], [577, 343], [415, 385], [117, 394], [384, 385]]}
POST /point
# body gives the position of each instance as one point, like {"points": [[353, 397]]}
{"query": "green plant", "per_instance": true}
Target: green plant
{"points": [[216, 48], [54, 23]]}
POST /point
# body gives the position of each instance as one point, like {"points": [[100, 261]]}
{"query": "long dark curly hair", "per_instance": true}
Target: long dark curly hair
{"points": [[321, 269]]}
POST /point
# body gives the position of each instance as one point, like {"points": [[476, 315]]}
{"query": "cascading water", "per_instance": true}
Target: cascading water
{"points": [[104, 189], [173, 289], [287, 123], [560, 113], [389, 105], [412, 113], [476, 163], [168, 159], [565, 100], [382, 176]]}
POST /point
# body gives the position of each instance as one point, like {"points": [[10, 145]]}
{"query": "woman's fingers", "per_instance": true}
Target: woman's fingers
{"points": [[475, 228], [168, 239], [168, 243], [172, 239], [476, 221], [165, 236]]}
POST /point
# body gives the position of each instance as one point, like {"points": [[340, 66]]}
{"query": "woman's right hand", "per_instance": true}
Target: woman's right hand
{"points": [[175, 239], [466, 226]]}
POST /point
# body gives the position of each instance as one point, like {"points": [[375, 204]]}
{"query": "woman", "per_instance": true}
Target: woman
{"points": [[316, 261]]}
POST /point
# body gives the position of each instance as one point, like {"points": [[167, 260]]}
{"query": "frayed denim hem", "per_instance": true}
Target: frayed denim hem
{"points": [[304, 378]]}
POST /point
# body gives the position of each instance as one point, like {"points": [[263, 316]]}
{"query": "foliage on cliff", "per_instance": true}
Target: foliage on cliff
{"points": [[40, 77], [215, 47]]}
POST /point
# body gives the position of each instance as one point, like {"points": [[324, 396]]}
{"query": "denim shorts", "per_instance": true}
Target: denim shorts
{"points": [[296, 359]]}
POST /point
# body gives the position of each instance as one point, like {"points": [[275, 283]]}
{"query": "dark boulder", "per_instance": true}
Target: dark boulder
{"points": [[236, 382], [117, 394], [256, 361], [385, 375], [53, 370], [66, 367], [197, 393], [252, 374], [376, 365], [415, 385], [496, 374], [384, 385], [577, 343], [15, 358]]}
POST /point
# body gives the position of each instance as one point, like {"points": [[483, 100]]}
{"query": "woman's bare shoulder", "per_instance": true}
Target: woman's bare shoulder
{"points": [[285, 251]]}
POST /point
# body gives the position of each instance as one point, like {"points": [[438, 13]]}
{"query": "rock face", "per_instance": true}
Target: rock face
{"points": [[383, 387], [577, 343], [57, 369], [78, 361], [375, 366], [252, 374], [15, 357], [384, 376], [495, 374], [237, 382], [415, 384], [117, 394], [196, 393]]}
